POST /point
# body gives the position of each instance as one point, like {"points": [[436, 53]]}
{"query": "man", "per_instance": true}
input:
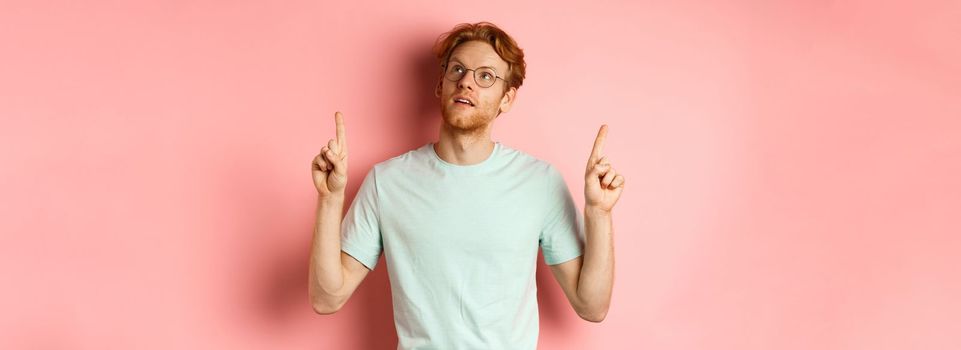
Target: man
{"points": [[460, 220]]}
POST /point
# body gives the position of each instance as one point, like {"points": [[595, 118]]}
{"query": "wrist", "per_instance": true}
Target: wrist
{"points": [[332, 198], [596, 211]]}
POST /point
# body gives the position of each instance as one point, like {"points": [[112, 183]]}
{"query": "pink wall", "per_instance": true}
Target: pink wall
{"points": [[793, 169]]}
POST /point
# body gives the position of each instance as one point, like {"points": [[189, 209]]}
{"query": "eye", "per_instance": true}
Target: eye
{"points": [[457, 69], [487, 76]]}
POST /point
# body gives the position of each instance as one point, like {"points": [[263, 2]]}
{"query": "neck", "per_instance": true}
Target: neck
{"points": [[464, 147]]}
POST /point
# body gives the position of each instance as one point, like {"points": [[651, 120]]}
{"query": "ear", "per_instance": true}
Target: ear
{"points": [[508, 100], [439, 87]]}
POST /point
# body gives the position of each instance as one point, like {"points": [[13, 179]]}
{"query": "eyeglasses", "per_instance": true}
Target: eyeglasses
{"points": [[483, 76]]}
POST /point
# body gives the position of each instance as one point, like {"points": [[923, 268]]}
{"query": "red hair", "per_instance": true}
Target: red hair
{"points": [[487, 32]]}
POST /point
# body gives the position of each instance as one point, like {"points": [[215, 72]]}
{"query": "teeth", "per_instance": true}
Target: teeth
{"points": [[464, 101]]}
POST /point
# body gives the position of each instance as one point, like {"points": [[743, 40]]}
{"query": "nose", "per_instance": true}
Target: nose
{"points": [[466, 81]]}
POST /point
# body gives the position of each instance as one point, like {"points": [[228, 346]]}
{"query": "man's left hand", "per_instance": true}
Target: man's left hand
{"points": [[602, 185]]}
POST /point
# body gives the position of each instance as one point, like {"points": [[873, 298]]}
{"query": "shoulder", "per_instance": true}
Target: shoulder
{"points": [[401, 163], [530, 164]]}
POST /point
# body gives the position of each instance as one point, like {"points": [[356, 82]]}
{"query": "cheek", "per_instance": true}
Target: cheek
{"points": [[494, 102], [492, 99], [444, 88]]}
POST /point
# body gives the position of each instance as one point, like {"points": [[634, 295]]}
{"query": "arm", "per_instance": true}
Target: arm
{"points": [[588, 280], [334, 275]]}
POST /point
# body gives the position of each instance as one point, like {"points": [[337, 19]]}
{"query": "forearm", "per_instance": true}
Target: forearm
{"points": [[326, 268], [597, 272]]}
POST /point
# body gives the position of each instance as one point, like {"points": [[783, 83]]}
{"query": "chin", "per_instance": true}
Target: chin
{"points": [[465, 121]]}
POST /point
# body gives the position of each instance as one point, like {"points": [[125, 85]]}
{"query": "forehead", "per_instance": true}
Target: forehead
{"points": [[478, 53]]}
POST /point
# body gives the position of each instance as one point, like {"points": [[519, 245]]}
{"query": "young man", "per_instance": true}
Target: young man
{"points": [[460, 220]]}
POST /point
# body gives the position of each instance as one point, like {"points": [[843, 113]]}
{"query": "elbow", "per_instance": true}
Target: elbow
{"points": [[326, 308], [326, 304], [595, 315]]}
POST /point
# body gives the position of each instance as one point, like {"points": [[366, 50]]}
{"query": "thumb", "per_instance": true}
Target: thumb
{"points": [[339, 163], [600, 168]]}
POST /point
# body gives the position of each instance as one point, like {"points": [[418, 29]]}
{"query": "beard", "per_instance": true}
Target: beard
{"points": [[468, 120]]}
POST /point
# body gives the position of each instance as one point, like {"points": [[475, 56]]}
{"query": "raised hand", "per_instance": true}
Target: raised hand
{"points": [[329, 168], [602, 186]]}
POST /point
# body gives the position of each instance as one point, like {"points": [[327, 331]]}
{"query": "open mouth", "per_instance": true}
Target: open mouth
{"points": [[463, 101]]}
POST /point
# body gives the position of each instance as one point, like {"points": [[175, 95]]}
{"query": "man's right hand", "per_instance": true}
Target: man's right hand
{"points": [[329, 168]]}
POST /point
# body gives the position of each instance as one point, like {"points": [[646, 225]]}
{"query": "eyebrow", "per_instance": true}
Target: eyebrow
{"points": [[462, 63]]}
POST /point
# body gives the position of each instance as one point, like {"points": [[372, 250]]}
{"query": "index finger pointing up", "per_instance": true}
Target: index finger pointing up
{"points": [[341, 132], [596, 153]]}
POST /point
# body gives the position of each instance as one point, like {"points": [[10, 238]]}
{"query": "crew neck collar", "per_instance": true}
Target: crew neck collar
{"points": [[483, 164]]}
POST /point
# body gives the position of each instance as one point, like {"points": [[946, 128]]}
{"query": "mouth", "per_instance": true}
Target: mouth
{"points": [[463, 101]]}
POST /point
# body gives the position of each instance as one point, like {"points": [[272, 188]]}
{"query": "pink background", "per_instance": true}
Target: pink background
{"points": [[793, 168]]}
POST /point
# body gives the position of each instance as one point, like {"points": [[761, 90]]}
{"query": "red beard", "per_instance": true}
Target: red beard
{"points": [[467, 119]]}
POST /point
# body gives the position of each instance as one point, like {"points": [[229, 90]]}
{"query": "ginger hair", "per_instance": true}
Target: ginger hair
{"points": [[487, 32]]}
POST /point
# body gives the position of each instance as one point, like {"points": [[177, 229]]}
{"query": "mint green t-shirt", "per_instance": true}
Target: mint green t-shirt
{"points": [[460, 243]]}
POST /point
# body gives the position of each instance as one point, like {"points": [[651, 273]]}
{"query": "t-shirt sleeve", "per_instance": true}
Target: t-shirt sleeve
{"points": [[561, 237], [360, 235]]}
